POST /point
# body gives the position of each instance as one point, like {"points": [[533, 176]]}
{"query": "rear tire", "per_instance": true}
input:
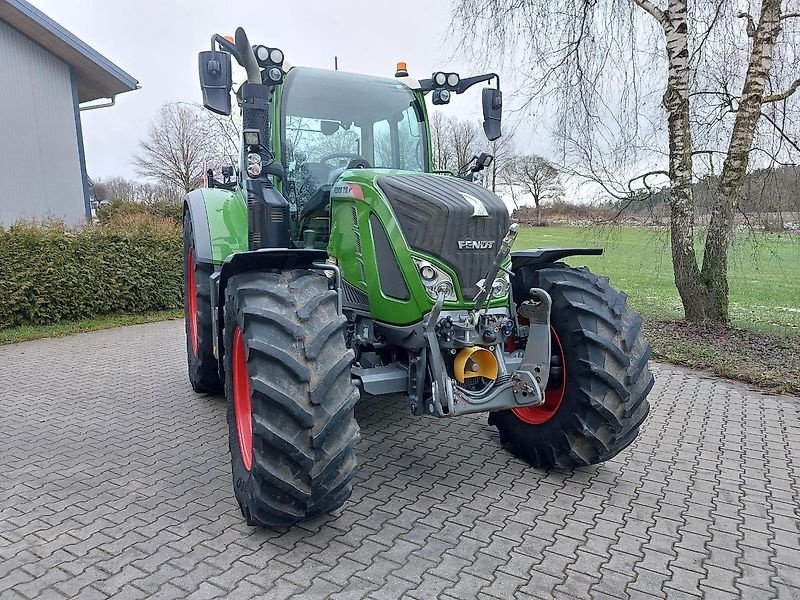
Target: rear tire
{"points": [[293, 375], [203, 366], [596, 403]]}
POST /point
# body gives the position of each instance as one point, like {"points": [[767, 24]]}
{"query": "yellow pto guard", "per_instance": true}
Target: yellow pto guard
{"points": [[474, 362]]}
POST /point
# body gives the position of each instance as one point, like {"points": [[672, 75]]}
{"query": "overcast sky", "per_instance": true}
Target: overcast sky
{"points": [[157, 42]]}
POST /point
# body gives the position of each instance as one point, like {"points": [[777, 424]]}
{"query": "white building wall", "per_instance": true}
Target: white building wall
{"points": [[40, 169]]}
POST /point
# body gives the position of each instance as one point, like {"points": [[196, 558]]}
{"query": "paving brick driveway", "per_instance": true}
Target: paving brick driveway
{"points": [[114, 481]]}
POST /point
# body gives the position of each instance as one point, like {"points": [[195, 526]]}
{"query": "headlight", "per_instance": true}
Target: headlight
{"points": [[275, 74], [446, 288], [440, 78], [452, 80], [254, 164], [499, 287], [252, 137], [435, 280]]}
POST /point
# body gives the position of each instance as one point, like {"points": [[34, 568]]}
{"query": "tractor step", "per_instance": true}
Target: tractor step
{"points": [[391, 379]]}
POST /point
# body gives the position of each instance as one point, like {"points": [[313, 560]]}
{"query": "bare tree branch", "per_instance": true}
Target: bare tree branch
{"points": [[651, 8], [751, 25], [644, 177], [781, 132], [783, 95]]}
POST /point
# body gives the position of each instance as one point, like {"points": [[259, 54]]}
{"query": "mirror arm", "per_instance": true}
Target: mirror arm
{"points": [[467, 83], [226, 46], [241, 51], [427, 85], [248, 57]]}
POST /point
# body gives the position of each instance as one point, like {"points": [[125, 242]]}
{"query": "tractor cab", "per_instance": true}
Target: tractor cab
{"points": [[331, 121]]}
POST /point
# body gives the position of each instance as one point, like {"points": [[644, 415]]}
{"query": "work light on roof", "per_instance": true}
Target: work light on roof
{"points": [[448, 80], [262, 53], [276, 56], [268, 57]]}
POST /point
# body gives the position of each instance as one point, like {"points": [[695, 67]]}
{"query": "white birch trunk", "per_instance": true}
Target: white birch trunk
{"points": [[720, 230], [676, 103]]}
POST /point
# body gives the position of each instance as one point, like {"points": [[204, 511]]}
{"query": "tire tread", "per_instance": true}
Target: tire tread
{"points": [[304, 429], [608, 381]]}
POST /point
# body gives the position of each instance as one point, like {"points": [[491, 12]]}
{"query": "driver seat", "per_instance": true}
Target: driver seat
{"points": [[315, 215], [318, 202]]}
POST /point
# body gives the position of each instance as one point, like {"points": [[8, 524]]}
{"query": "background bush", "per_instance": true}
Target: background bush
{"points": [[131, 263], [159, 208]]}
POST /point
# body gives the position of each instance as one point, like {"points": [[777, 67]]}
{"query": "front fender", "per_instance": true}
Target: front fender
{"points": [[266, 259], [537, 257], [219, 221]]}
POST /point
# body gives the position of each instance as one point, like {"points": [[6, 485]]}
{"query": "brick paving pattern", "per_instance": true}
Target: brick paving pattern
{"points": [[115, 482]]}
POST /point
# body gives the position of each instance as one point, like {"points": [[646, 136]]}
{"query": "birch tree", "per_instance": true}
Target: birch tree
{"points": [[698, 83]]}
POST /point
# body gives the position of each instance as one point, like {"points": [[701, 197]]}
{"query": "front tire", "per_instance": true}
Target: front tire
{"points": [[203, 366], [292, 431], [596, 399]]}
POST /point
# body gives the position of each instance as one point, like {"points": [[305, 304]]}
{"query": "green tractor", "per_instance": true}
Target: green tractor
{"points": [[335, 261]]}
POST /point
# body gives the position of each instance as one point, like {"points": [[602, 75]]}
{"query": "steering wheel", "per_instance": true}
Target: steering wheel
{"points": [[356, 160]]}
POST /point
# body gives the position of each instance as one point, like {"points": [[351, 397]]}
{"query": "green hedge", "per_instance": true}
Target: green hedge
{"points": [[119, 208], [49, 273]]}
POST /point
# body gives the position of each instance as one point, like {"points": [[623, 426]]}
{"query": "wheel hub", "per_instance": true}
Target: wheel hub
{"points": [[241, 399], [553, 395]]}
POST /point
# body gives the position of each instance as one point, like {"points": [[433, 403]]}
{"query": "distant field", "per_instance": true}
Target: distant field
{"points": [[764, 271]]}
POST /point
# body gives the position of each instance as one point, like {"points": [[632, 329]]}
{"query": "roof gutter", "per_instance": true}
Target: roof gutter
{"points": [[112, 101]]}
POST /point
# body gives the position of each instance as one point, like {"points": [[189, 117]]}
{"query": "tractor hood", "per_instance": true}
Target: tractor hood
{"points": [[458, 222]]}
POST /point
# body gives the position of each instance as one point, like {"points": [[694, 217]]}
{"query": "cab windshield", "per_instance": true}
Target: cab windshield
{"points": [[334, 120]]}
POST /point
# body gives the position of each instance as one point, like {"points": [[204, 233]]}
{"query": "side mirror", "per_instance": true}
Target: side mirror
{"points": [[215, 80], [492, 112], [328, 128]]}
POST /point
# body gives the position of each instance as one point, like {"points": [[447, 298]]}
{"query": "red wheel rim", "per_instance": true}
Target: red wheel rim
{"points": [[553, 395], [191, 291], [241, 399]]}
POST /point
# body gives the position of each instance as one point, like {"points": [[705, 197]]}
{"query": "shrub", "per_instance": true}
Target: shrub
{"points": [[49, 273], [158, 208]]}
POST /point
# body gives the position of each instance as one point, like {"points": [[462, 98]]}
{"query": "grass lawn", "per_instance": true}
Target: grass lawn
{"points": [[35, 332], [764, 271], [762, 346]]}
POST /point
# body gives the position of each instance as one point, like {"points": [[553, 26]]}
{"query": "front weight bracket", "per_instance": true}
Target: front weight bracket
{"points": [[536, 360]]}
